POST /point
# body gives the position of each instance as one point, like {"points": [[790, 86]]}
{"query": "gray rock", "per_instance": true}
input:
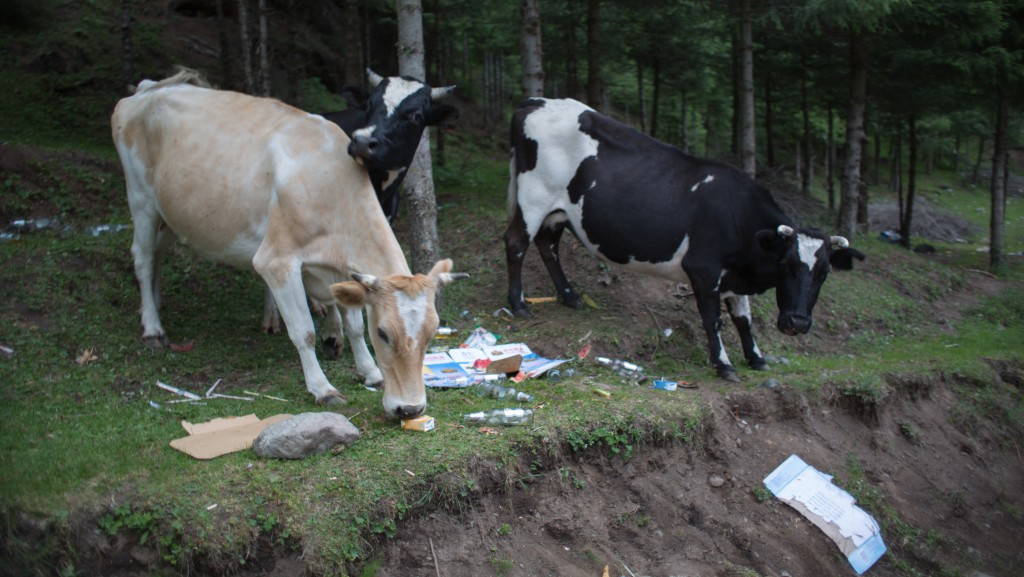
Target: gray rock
{"points": [[305, 434], [716, 481]]}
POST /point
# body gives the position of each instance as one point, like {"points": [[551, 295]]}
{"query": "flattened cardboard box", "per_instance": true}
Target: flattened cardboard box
{"points": [[223, 435]]}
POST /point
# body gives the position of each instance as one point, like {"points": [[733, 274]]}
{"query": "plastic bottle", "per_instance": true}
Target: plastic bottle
{"points": [[488, 387], [624, 368], [500, 417]]}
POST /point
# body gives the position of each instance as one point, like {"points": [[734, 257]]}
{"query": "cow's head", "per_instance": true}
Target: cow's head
{"points": [[397, 111], [804, 258], [402, 320]]}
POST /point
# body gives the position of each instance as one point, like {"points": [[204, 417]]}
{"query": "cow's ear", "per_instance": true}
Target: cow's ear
{"points": [[349, 294], [842, 259], [355, 96], [441, 113], [769, 240]]}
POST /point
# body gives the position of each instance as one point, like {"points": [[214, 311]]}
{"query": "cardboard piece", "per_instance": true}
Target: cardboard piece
{"points": [[830, 508], [223, 435]]}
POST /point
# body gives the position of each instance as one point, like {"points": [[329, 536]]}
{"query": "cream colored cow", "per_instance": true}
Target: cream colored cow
{"points": [[258, 184]]}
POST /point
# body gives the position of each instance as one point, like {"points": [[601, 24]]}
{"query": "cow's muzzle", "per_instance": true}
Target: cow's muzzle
{"points": [[794, 324], [363, 147], [409, 411]]}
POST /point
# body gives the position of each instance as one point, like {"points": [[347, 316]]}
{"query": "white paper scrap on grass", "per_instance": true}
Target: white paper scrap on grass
{"points": [[832, 509]]}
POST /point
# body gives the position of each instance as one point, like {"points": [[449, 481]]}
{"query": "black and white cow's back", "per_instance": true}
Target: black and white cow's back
{"points": [[649, 207]]}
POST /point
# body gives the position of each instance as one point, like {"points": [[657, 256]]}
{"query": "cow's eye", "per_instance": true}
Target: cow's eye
{"points": [[383, 336], [415, 117]]}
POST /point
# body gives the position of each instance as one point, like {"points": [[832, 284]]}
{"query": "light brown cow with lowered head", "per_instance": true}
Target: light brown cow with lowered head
{"points": [[258, 184]]}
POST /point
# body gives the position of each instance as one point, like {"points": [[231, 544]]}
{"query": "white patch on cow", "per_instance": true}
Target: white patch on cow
{"points": [[554, 219], [721, 275], [394, 175], [561, 149], [807, 246], [593, 185], [413, 312], [366, 131], [399, 89], [671, 269], [723, 357], [740, 304], [707, 179]]}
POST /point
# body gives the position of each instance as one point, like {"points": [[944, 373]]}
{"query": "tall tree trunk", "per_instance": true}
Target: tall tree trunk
{"points": [[353, 65], [749, 135], [769, 121], [908, 213], [854, 135], [1000, 167], [533, 68], [419, 184], [595, 85], [640, 96], [264, 51], [127, 48], [656, 97], [976, 173], [246, 34], [226, 77], [572, 78], [684, 128], [830, 163], [808, 141]]}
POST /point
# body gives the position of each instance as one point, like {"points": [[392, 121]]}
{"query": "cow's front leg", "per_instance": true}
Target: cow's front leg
{"points": [[547, 241], [739, 310], [516, 242], [365, 366], [285, 282], [709, 306]]}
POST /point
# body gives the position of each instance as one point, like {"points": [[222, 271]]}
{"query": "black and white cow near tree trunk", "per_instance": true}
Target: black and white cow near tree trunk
{"points": [[651, 208]]}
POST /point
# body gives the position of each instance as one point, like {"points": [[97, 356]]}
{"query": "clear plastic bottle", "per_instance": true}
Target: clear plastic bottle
{"points": [[489, 387], [624, 368], [500, 417]]}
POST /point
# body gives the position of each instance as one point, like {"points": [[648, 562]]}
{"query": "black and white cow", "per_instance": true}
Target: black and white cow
{"points": [[649, 207], [385, 127]]}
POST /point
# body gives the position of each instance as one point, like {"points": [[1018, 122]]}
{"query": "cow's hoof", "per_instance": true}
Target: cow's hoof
{"points": [[332, 348], [271, 329], [522, 312], [728, 374], [332, 399], [157, 342], [758, 364], [572, 300]]}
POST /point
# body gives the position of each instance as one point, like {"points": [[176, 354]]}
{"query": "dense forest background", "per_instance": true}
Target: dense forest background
{"points": [[839, 86]]}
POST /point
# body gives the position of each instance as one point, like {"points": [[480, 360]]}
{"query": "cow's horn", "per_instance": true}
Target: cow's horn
{"points": [[367, 280], [784, 230], [840, 241], [441, 92], [374, 78]]}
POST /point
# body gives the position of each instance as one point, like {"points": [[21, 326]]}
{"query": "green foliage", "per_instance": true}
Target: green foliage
{"points": [[762, 494]]}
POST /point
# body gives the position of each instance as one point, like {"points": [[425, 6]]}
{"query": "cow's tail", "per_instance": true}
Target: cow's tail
{"points": [[513, 187], [183, 76]]}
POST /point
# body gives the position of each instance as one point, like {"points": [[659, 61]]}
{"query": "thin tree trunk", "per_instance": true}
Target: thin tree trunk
{"points": [[226, 77], [264, 51], [532, 55], [640, 96], [976, 173], [1000, 167], [684, 127], [769, 121], [127, 48], [353, 66], [243, 22], [656, 97], [854, 135], [805, 174], [749, 140], [908, 212], [830, 163], [594, 82], [419, 184]]}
